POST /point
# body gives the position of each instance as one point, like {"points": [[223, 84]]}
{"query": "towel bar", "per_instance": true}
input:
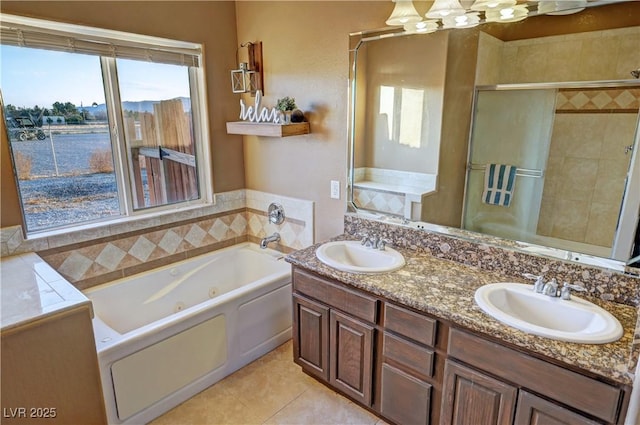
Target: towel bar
{"points": [[523, 172]]}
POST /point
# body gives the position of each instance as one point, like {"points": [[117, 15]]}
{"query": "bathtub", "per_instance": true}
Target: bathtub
{"points": [[163, 336]]}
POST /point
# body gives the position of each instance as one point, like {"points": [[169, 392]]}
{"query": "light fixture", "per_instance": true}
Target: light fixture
{"points": [[447, 14], [248, 77], [507, 14], [468, 20], [484, 5], [443, 8], [561, 7], [403, 13], [422, 27]]}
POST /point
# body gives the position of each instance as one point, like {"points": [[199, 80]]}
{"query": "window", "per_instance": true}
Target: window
{"points": [[101, 124]]}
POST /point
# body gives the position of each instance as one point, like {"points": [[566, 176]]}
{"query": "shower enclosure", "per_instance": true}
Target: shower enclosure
{"points": [[573, 146]]}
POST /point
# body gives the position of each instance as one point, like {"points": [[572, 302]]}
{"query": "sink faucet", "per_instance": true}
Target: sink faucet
{"points": [[551, 288], [273, 238], [374, 242]]}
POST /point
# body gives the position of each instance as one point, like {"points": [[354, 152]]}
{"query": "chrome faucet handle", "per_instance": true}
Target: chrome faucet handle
{"points": [[369, 241], [538, 286], [382, 244], [565, 292]]}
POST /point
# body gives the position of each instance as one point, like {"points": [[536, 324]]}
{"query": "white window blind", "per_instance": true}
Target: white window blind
{"points": [[41, 34]]}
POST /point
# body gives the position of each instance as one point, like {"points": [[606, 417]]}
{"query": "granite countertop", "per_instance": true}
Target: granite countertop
{"points": [[32, 289], [446, 289]]}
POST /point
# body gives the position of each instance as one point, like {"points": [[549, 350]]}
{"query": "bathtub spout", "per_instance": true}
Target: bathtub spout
{"points": [[273, 238]]}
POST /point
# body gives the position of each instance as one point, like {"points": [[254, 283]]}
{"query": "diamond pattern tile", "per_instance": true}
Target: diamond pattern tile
{"points": [[170, 242], [142, 248], [101, 258], [195, 235], [75, 266], [595, 99], [239, 225], [110, 257], [218, 230]]}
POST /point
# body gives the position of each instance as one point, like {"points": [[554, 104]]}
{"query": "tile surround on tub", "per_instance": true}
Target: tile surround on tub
{"points": [[94, 256]]}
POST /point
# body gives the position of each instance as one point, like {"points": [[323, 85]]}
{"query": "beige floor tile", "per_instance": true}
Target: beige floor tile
{"points": [[320, 405], [271, 390]]}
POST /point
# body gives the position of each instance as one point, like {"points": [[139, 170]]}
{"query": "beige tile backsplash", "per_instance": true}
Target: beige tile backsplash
{"points": [[87, 262]]}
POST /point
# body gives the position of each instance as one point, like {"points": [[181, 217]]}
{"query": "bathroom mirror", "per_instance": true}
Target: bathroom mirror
{"points": [[393, 169]]}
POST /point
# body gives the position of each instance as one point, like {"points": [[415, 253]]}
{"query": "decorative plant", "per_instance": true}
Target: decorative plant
{"points": [[286, 104]]}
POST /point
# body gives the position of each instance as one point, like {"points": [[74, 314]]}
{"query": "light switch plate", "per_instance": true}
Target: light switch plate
{"points": [[335, 189]]}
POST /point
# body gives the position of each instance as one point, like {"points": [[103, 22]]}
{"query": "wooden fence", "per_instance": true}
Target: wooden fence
{"points": [[164, 148]]}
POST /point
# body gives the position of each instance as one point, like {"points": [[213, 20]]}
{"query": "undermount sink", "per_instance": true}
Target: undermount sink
{"points": [[574, 320], [352, 256]]}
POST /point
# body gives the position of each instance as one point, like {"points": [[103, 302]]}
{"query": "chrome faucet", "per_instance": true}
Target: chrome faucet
{"points": [[551, 288], [273, 238], [374, 242]]}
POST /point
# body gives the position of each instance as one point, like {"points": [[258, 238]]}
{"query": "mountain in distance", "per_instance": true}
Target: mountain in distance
{"points": [[139, 106]]}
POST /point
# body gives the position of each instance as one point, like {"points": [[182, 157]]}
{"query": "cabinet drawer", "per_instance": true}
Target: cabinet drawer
{"points": [[533, 410], [404, 399], [352, 302], [412, 325], [416, 358], [573, 389]]}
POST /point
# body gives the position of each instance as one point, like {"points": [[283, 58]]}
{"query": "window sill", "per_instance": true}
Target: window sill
{"points": [[50, 239]]}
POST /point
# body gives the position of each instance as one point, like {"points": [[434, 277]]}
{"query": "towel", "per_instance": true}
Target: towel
{"points": [[499, 180]]}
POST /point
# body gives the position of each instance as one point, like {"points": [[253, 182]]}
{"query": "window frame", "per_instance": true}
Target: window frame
{"points": [[121, 154]]}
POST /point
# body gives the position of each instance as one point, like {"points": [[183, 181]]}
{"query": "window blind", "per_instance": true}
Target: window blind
{"points": [[42, 34]]}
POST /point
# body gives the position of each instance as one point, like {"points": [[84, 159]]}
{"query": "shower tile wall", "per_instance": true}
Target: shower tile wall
{"points": [[588, 163], [241, 215], [589, 56]]}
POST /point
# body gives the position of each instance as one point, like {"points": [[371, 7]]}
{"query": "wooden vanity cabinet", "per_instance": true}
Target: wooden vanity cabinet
{"points": [[411, 368], [471, 397], [499, 385], [334, 332], [407, 367]]}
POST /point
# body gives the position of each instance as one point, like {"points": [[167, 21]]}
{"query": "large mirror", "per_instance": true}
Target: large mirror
{"points": [[431, 112]]}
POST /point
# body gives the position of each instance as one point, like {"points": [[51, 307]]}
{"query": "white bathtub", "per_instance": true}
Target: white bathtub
{"points": [[165, 335]]}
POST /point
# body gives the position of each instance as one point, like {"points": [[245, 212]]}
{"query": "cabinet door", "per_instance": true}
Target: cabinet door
{"points": [[470, 397], [533, 410], [351, 348], [403, 398], [311, 336]]}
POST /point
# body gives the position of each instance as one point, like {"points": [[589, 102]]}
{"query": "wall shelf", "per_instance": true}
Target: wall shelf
{"points": [[248, 128]]}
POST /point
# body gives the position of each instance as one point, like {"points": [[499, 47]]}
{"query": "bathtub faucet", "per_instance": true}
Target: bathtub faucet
{"points": [[273, 238]]}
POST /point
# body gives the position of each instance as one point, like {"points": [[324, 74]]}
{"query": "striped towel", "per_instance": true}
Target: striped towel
{"points": [[498, 184]]}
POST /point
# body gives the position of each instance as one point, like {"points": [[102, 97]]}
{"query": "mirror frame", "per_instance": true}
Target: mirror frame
{"points": [[356, 40]]}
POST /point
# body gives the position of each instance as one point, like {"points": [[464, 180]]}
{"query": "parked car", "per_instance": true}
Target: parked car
{"points": [[23, 128]]}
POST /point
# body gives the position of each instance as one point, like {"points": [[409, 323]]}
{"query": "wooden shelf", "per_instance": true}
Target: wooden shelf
{"points": [[267, 129]]}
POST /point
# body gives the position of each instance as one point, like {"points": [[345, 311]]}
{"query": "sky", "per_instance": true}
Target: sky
{"points": [[30, 77]]}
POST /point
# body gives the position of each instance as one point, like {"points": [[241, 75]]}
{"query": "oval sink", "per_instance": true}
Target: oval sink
{"points": [[575, 320], [352, 256]]}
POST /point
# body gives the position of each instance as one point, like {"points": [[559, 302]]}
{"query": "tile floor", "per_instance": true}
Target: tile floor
{"points": [[271, 390]]}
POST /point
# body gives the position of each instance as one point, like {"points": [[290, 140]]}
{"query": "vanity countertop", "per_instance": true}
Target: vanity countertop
{"points": [[32, 289], [446, 290]]}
